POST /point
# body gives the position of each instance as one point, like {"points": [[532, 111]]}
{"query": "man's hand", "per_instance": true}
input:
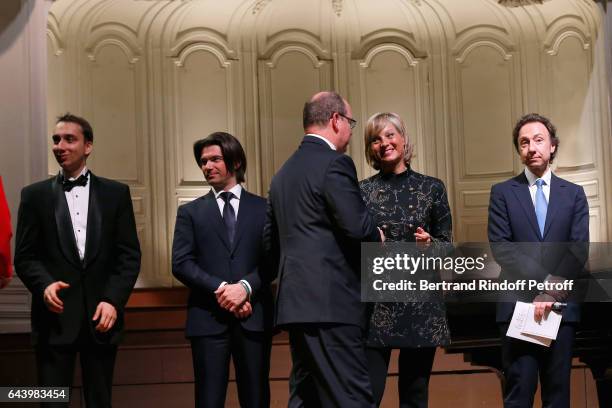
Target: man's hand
{"points": [[231, 296], [542, 308], [51, 298], [107, 315], [244, 311]]}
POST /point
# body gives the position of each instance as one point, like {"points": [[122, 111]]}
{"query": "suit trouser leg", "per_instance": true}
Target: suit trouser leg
{"points": [[520, 361], [333, 358], [97, 365], [55, 366], [555, 371], [251, 355], [210, 355], [302, 387], [414, 371], [378, 366]]}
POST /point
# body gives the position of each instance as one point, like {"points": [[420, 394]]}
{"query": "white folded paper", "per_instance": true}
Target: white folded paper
{"points": [[524, 327]]}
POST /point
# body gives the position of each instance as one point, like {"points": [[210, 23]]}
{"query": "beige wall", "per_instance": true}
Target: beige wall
{"points": [[23, 159], [154, 76]]}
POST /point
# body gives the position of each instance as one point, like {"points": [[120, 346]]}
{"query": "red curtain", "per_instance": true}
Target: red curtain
{"points": [[6, 269]]}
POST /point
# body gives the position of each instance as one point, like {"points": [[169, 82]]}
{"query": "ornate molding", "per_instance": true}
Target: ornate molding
{"points": [[412, 61], [337, 6], [259, 5], [185, 52], [129, 53], [554, 48], [483, 43], [519, 3], [294, 48]]}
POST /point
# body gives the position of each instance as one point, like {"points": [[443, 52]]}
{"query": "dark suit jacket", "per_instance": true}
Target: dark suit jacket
{"points": [[202, 259], [45, 252], [512, 219], [316, 222]]}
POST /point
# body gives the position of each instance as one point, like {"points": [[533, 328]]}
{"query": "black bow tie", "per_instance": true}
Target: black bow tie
{"points": [[70, 184]]}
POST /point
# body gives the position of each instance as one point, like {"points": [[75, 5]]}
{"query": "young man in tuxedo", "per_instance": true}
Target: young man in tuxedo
{"points": [[78, 253], [218, 254], [539, 208]]}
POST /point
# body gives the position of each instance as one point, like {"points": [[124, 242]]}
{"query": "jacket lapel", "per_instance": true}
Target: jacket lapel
{"points": [[521, 190], [556, 190], [63, 223], [211, 209], [94, 221]]}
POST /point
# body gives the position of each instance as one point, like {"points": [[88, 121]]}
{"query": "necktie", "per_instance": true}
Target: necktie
{"points": [[541, 206], [229, 216], [70, 184]]}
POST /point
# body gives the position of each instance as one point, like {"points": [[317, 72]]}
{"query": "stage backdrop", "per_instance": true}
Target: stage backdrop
{"points": [[154, 76]]}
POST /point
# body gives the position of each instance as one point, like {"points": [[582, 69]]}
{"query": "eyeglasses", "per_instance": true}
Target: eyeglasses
{"points": [[352, 122]]}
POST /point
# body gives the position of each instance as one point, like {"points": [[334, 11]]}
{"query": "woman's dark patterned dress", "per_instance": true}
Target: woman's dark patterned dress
{"points": [[401, 203]]}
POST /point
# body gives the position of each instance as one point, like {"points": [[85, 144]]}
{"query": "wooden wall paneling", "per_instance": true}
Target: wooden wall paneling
{"points": [[572, 103], [287, 79], [391, 79], [56, 84], [487, 97]]}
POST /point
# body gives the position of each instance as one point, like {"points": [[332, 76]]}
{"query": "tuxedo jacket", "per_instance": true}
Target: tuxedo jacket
{"points": [[202, 258], [46, 252], [512, 218], [316, 223]]}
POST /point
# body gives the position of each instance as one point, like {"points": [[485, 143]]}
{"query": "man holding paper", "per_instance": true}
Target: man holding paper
{"points": [[538, 207]]}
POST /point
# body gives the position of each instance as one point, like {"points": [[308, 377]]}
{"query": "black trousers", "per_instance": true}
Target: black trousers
{"points": [[55, 366], [523, 361], [414, 368], [250, 352], [329, 367]]}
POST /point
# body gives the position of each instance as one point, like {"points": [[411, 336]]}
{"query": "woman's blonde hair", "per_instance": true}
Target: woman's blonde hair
{"points": [[374, 126]]}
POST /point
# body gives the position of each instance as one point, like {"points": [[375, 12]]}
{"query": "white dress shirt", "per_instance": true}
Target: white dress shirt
{"points": [[78, 206], [234, 202], [531, 179]]}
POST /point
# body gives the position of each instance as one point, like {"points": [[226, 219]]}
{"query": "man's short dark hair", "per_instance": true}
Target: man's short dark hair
{"points": [[531, 118], [231, 149], [85, 126], [318, 110]]}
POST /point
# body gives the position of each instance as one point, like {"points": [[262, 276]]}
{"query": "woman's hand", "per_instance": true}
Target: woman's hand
{"points": [[421, 235]]}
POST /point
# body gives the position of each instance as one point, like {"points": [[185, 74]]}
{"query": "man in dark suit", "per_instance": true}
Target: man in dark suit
{"points": [[78, 253], [218, 253], [316, 222], [538, 207]]}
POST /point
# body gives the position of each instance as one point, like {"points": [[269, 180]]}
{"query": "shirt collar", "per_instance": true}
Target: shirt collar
{"points": [[330, 144], [236, 191], [85, 171], [531, 178]]}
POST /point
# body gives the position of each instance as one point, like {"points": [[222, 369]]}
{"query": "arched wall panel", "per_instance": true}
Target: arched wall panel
{"points": [[115, 115], [486, 86], [282, 100], [571, 103], [203, 105]]}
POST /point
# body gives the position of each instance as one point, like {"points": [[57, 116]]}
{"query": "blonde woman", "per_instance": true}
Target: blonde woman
{"points": [[409, 207]]}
